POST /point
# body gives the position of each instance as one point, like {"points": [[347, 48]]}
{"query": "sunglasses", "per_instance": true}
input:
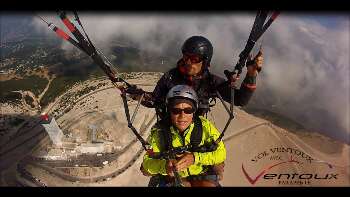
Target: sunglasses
{"points": [[193, 58], [187, 110]]}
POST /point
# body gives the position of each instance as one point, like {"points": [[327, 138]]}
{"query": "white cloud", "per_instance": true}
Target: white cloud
{"points": [[306, 64]]}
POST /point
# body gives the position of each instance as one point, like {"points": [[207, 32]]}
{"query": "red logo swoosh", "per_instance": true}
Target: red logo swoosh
{"points": [[266, 169]]}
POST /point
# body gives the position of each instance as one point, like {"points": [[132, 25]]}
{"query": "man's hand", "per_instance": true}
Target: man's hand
{"points": [[254, 65], [144, 172], [134, 92], [169, 166], [232, 78], [185, 161]]}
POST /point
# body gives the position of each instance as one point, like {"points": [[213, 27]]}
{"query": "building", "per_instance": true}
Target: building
{"points": [[94, 148], [51, 127]]}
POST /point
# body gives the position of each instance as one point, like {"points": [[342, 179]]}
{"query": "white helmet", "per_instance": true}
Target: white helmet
{"points": [[182, 91]]}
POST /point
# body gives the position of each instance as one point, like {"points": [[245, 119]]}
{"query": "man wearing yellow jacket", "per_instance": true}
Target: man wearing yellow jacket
{"points": [[182, 127]]}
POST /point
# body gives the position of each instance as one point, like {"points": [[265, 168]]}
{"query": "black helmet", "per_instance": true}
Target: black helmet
{"points": [[199, 45]]}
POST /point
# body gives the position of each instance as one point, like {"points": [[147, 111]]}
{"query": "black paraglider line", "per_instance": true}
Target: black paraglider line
{"points": [[91, 51], [257, 31], [136, 109], [61, 33]]}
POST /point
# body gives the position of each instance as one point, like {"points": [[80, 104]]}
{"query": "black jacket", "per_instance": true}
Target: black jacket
{"points": [[205, 86]]}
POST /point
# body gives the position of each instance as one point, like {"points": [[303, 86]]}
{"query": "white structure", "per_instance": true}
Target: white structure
{"points": [[51, 127], [95, 148], [91, 148], [93, 129]]}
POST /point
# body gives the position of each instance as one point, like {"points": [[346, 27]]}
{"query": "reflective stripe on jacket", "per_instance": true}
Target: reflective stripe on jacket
{"points": [[210, 133]]}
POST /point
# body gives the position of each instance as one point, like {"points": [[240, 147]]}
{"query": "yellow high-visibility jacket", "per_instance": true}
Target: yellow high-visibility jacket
{"points": [[210, 133]]}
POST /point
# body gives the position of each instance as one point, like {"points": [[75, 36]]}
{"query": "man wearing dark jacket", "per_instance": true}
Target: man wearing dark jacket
{"points": [[193, 70]]}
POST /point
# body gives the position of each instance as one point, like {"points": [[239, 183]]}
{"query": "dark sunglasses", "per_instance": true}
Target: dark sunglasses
{"points": [[187, 110], [193, 58]]}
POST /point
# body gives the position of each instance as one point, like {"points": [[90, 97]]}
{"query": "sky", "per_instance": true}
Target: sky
{"points": [[306, 55]]}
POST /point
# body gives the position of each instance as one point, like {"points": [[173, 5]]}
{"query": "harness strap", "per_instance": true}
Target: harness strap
{"points": [[197, 132]]}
